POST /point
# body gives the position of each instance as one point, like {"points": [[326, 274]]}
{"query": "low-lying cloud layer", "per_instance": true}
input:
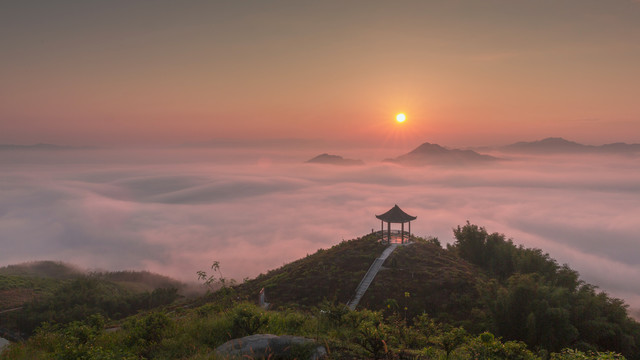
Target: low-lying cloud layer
{"points": [[174, 212]]}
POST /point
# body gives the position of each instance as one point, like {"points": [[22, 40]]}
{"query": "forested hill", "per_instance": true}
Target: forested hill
{"points": [[56, 292], [482, 281], [532, 298], [24, 282]]}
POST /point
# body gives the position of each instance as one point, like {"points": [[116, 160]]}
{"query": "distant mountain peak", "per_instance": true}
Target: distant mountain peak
{"points": [[428, 153], [334, 160], [558, 140], [428, 147]]}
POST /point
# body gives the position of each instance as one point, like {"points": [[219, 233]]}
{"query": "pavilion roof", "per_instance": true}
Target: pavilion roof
{"points": [[396, 215]]}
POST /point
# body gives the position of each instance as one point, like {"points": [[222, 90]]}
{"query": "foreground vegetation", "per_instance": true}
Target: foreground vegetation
{"points": [[346, 334], [481, 297], [530, 297]]}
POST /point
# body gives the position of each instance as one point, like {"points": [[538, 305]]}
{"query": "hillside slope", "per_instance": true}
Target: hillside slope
{"points": [[437, 281], [328, 274], [482, 282], [423, 277], [51, 291]]}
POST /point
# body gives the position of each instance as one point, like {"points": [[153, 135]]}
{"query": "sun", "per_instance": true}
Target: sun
{"points": [[401, 118]]}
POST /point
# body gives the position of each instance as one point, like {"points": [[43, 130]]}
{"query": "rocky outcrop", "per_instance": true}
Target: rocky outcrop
{"points": [[267, 346]]}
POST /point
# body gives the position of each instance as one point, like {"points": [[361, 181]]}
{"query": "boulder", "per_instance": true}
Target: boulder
{"points": [[267, 346]]}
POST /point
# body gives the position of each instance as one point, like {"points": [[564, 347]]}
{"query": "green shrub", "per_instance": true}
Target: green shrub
{"points": [[246, 319], [570, 354], [145, 333]]}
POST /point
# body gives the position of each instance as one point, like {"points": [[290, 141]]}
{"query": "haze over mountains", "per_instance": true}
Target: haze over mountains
{"points": [[559, 145], [434, 154], [425, 154]]}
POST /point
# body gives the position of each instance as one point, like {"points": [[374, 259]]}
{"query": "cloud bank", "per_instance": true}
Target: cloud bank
{"points": [[176, 211]]}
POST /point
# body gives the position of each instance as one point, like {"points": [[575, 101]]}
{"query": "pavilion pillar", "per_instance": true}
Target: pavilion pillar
{"points": [[396, 216], [381, 230]]}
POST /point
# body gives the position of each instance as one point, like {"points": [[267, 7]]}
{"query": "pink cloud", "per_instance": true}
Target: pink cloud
{"points": [[174, 212]]}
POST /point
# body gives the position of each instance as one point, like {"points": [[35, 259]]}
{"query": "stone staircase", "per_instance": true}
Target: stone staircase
{"points": [[370, 275]]}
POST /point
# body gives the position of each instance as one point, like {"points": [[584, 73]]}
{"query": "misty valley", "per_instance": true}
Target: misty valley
{"points": [[456, 290]]}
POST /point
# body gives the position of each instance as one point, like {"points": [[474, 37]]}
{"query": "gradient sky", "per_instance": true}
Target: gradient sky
{"points": [[465, 72]]}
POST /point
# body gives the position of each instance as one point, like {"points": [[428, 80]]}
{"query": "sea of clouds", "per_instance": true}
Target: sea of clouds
{"points": [[175, 211]]}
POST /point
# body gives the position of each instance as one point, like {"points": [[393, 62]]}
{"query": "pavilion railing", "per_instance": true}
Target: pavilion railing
{"points": [[395, 235]]}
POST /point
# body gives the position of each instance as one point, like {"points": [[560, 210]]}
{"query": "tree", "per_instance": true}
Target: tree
{"points": [[451, 340], [212, 279]]}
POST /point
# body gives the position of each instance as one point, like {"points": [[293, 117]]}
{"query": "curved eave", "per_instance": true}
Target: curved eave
{"points": [[396, 215]]}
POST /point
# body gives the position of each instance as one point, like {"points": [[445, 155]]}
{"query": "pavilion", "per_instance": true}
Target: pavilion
{"points": [[395, 215]]}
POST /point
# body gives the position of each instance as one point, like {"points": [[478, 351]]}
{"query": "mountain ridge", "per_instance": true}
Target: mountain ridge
{"points": [[428, 153], [551, 145]]}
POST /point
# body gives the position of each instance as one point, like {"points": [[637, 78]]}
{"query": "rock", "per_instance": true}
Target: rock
{"points": [[267, 346]]}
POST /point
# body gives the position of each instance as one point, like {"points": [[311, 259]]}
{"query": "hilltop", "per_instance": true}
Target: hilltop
{"points": [[45, 268], [436, 278]]}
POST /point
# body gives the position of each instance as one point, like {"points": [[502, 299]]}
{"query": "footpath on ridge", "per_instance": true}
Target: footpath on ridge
{"points": [[368, 277]]}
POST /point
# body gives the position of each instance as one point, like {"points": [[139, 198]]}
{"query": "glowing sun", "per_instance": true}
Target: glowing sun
{"points": [[401, 117]]}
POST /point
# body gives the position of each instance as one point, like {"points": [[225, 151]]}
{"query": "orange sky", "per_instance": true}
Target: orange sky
{"points": [[465, 72]]}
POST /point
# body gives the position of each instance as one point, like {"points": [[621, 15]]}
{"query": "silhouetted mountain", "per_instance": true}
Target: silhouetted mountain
{"points": [[620, 147], [428, 153], [548, 145], [559, 145], [334, 160]]}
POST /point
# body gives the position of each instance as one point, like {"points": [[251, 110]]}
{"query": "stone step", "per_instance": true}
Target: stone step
{"points": [[370, 275]]}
